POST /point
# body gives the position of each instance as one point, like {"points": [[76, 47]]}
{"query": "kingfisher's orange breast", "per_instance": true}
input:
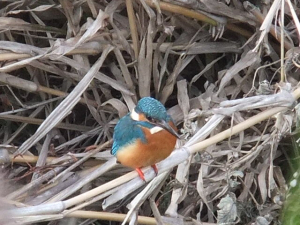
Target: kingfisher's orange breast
{"points": [[158, 147]]}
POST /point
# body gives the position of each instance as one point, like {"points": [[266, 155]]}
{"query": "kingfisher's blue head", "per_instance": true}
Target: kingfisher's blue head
{"points": [[153, 112], [152, 109]]}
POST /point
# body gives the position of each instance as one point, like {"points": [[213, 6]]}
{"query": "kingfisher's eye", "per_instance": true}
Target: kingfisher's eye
{"points": [[150, 119]]}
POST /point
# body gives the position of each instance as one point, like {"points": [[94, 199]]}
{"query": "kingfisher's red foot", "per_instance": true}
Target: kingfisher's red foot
{"points": [[141, 174], [155, 169]]}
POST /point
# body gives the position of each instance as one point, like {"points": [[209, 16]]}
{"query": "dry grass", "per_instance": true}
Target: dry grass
{"points": [[227, 72]]}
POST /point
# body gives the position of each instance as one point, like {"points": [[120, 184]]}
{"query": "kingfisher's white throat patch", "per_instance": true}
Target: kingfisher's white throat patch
{"points": [[156, 129], [134, 115]]}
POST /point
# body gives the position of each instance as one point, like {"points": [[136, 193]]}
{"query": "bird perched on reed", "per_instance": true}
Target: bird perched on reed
{"points": [[145, 136]]}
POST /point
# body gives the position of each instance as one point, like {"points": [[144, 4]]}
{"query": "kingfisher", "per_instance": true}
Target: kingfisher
{"points": [[144, 136]]}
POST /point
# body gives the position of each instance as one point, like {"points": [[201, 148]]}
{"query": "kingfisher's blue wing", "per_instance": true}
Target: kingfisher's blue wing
{"points": [[126, 132]]}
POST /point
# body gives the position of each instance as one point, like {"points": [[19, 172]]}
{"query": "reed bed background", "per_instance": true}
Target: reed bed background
{"points": [[227, 71]]}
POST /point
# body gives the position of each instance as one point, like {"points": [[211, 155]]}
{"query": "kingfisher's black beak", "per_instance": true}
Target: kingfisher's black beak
{"points": [[167, 127]]}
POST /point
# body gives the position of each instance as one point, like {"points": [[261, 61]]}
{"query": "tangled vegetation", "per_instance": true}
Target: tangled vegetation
{"points": [[227, 71]]}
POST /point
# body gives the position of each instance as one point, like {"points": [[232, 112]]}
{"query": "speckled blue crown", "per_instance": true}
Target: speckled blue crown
{"points": [[151, 107]]}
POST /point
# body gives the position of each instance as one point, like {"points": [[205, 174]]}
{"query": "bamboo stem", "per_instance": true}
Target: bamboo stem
{"points": [[200, 146], [108, 216]]}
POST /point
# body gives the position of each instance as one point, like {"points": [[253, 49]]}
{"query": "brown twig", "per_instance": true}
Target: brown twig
{"points": [[196, 15], [133, 28], [36, 121]]}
